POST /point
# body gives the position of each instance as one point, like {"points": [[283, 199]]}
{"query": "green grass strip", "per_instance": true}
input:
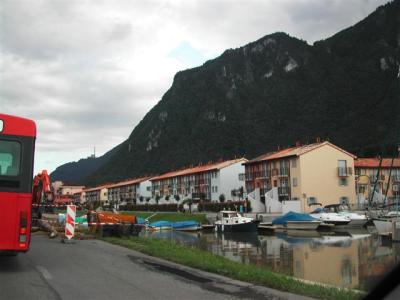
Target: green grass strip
{"points": [[172, 217], [206, 261]]}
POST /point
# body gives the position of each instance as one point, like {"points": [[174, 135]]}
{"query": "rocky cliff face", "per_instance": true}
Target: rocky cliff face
{"points": [[274, 91]]}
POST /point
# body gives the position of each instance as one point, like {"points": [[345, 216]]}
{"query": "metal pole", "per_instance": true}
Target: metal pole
{"points": [[376, 181]]}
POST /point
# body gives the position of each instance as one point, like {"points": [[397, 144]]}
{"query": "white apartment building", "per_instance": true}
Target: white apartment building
{"points": [[206, 182]]}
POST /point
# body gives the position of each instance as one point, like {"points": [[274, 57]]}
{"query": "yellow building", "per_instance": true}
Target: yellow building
{"points": [[316, 173], [386, 182]]}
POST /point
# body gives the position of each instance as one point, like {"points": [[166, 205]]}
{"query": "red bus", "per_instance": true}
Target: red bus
{"points": [[17, 146]]}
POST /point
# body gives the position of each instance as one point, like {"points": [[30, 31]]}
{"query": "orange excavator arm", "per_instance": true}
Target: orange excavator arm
{"points": [[41, 189]]}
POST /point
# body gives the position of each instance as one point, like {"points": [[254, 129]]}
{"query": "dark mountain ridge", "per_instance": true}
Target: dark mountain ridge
{"points": [[274, 92]]}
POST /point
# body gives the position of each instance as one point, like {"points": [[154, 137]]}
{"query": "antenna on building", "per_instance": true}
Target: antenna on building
{"points": [[94, 152]]}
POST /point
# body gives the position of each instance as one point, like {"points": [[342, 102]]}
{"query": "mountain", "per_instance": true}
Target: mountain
{"points": [[76, 172], [274, 92]]}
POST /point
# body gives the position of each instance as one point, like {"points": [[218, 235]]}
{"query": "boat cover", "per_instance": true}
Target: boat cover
{"points": [[161, 224], [292, 216], [141, 220], [184, 224]]}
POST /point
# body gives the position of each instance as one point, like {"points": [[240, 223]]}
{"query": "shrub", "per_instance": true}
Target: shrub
{"points": [[217, 206], [150, 207]]}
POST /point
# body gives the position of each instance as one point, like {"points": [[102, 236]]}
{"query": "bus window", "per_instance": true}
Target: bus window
{"points": [[10, 158]]}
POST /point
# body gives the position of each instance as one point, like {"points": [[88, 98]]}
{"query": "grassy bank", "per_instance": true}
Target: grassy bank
{"points": [[172, 217], [206, 261]]}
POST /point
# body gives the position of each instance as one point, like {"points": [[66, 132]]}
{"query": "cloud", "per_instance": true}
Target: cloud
{"points": [[88, 71]]}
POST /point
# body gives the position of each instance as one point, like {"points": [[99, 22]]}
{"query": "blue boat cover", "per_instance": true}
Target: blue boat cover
{"points": [[292, 216], [161, 224], [184, 224], [317, 210], [141, 220]]}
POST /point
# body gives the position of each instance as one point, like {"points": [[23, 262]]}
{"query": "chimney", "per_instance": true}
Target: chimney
{"points": [[298, 144], [318, 139]]}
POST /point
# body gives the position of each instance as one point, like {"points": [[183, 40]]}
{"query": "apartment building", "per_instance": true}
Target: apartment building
{"points": [[206, 182], [384, 175], [316, 173], [130, 191], [79, 197], [98, 194]]}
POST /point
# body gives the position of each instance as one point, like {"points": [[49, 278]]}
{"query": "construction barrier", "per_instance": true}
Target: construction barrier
{"points": [[70, 221]]}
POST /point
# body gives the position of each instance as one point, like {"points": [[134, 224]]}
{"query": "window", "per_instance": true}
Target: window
{"points": [[311, 200], [10, 158], [294, 163], [295, 181], [343, 181], [216, 189]]}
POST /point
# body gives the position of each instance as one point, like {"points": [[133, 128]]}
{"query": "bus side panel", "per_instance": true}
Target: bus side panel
{"points": [[11, 207]]}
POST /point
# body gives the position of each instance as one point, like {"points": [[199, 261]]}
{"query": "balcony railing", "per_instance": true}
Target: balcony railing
{"points": [[344, 172], [283, 190], [283, 172], [373, 178], [396, 178]]}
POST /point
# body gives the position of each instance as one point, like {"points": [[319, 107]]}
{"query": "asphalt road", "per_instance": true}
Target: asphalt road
{"points": [[93, 269]]}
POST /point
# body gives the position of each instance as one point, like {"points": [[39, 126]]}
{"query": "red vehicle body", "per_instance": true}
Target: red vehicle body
{"points": [[17, 145]]}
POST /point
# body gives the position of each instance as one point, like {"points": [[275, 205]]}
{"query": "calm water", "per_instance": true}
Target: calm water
{"points": [[354, 259]]}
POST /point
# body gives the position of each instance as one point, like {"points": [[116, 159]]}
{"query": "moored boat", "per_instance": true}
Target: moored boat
{"points": [[299, 221], [159, 225], [232, 221], [186, 226], [330, 218], [356, 220]]}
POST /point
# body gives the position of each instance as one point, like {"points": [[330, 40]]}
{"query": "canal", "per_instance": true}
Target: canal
{"points": [[352, 259]]}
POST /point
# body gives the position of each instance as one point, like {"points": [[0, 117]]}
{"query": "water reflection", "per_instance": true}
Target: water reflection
{"points": [[355, 259]]}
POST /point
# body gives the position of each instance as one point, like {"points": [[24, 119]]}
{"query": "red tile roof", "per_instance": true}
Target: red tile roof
{"points": [[294, 151], [199, 169], [129, 182], [96, 188], [374, 163]]}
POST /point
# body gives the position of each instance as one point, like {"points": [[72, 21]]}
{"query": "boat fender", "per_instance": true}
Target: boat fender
{"points": [[222, 227]]}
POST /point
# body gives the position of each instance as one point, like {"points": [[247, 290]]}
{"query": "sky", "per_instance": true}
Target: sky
{"points": [[88, 71]]}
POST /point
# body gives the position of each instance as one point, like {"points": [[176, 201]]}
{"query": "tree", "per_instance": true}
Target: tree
{"points": [[167, 198], [177, 198], [141, 198], [222, 198]]}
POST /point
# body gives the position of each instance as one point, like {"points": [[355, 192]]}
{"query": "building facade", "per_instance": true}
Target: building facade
{"points": [[316, 173], [205, 182], [96, 195], [130, 192], [385, 176]]}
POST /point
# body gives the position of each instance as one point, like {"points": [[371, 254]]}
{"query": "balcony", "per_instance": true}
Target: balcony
{"points": [[396, 178], [283, 190], [249, 176], [373, 178], [344, 172], [283, 172]]}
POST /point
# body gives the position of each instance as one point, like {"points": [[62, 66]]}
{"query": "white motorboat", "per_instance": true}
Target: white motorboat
{"points": [[330, 218], [356, 220], [232, 221]]}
